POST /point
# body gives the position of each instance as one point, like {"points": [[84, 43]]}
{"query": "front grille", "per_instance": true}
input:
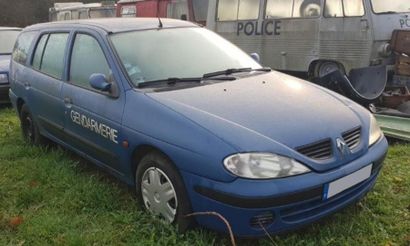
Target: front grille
{"points": [[321, 150], [262, 220], [352, 137]]}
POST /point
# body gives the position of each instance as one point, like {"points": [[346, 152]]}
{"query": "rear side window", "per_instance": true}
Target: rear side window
{"points": [[22, 46], [38, 54], [232, 10], [51, 61], [87, 58]]}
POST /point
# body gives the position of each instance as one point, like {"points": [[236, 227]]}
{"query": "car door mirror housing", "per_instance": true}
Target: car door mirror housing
{"points": [[256, 57], [99, 82]]}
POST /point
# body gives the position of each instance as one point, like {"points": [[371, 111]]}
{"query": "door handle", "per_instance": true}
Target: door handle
{"points": [[365, 24], [68, 100]]}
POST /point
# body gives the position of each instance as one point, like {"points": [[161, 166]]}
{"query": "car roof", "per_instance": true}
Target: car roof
{"points": [[4, 28], [115, 25]]}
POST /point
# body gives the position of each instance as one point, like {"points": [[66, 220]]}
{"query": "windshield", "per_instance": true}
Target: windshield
{"points": [[396, 6], [177, 53], [102, 13], [7, 40]]}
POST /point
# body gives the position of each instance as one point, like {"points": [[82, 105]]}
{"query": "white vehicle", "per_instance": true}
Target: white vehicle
{"points": [[312, 36], [79, 10]]}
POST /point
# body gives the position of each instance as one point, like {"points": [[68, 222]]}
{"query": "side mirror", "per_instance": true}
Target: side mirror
{"points": [[184, 17], [99, 82], [256, 57]]}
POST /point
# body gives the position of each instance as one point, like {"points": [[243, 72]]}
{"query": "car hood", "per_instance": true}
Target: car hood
{"points": [[4, 63], [269, 112]]}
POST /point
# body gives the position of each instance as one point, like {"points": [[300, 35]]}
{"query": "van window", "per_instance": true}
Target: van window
{"points": [[292, 8], [389, 7], [232, 10], [178, 9], [200, 9], [22, 46], [87, 58], [53, 57], [279, 9], [38, 54], [341, 8]]}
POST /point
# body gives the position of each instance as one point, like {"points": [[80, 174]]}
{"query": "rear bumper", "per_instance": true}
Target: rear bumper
{"points": [[279, 205], [4, 93]]}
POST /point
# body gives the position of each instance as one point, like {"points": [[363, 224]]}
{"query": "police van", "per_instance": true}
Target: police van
{"points": [[79, 10]]}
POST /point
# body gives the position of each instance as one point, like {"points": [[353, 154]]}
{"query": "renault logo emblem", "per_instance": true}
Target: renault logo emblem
{"points": [[342, 147]]}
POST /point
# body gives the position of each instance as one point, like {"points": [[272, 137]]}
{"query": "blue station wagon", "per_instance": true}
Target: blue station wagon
{"points": [[194, 123]]}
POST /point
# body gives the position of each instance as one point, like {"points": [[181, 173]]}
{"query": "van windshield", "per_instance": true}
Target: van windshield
{"points": [[177, 53], [390, 7], [7, 40]]}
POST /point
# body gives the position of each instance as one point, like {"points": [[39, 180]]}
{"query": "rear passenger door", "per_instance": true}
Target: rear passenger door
{"points": [[92, 118], [45, 84]]}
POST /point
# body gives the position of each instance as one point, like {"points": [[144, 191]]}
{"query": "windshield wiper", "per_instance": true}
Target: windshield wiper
{"points": [[236, 70], [168, 81], [173, 81]]}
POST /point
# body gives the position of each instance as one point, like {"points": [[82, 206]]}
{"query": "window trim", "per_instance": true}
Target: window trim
{"points": [[70, 52], [343, 9], [49, 33], [237, 12], [265, 17]]}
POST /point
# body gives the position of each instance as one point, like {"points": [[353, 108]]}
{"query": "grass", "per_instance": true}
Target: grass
{"points": [[53, 197]]}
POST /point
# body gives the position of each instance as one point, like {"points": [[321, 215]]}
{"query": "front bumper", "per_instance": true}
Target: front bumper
{"points": [[4, 93], [279, 205]]}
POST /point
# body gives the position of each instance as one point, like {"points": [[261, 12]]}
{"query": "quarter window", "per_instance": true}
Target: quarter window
{"points": [[22, 46], [52, 62], [292, 8], [38, 54], [232, 10], [341, 8], [87, 58]]}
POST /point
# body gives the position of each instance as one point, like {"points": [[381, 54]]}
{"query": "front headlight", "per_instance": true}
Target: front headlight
{"points": [[263, 166], [4, 79], [374, 133]]}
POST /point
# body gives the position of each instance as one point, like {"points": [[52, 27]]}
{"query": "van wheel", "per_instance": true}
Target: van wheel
{"points": [[161, 191], [324, 68], [29, 127]]}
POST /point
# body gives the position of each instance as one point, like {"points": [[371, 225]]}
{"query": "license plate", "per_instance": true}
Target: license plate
{"points": [[342, 184]]}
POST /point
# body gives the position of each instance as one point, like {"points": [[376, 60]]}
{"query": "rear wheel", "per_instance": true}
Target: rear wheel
{"points": [[161, 191], [325, 67], [29, 127]]}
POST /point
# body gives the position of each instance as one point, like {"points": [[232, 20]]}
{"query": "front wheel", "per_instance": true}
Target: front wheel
{"points": [[160, 189]]}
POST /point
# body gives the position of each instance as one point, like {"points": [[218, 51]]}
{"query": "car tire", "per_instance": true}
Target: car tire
{"points": [[29, 127], [161, 191], [325, 67]]}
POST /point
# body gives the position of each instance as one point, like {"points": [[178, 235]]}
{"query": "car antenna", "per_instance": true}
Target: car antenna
{"points": [[159, 18], [160, 23]]}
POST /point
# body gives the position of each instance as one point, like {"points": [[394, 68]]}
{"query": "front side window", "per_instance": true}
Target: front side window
{"points": [[292, 8], [232, 10], [20, 52], [344, 8], [391, 7], [7, 41], [176, 54], [87, 58], [52, 62]]}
